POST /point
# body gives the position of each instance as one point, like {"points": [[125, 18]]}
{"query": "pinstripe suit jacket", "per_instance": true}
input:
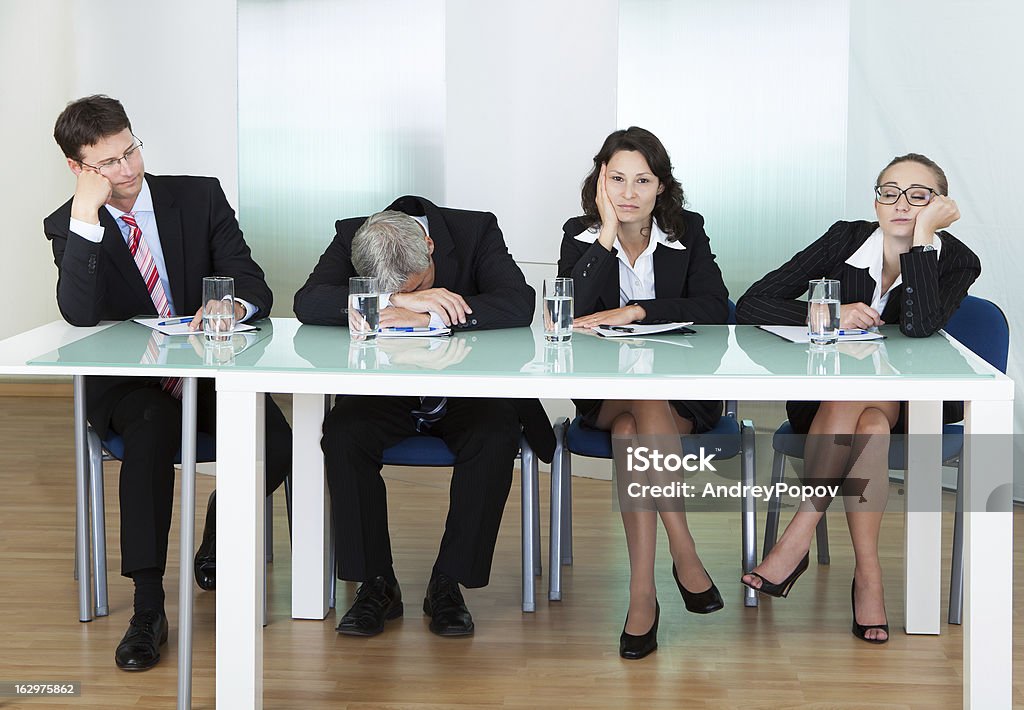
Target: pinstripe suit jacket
{"points": [[931, 291]]}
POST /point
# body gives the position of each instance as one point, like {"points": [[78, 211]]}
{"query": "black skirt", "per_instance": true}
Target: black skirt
{"points": [[801, 414], [704, 414]]}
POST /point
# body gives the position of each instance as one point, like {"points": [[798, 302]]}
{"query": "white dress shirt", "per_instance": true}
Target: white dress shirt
{"points": [[869, 256], [636, 281]]}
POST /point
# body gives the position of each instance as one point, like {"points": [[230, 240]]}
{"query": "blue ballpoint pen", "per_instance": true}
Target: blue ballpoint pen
{"points": [[410, 329], [176, 321], [855, 331]]}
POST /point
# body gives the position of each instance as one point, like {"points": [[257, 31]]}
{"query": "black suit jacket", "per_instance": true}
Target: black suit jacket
{"points": [[930, 293], [199, 236], [470, 258], [688, 284]]}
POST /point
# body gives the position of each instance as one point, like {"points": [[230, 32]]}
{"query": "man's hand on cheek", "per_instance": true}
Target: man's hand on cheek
{"points": [[396, 317]]}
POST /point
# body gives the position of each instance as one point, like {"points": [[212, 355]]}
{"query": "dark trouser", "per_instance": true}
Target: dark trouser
{"points": [[483, 434], [149, 421]]}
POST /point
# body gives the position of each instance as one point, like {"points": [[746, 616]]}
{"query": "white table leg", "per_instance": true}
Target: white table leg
{"points": [[310, 510], [240, 563], [923, 533], [988, 555]]}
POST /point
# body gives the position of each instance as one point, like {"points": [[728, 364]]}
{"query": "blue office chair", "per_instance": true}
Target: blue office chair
{"points": [[111, 449], [731, 437], [982, 327], [426, 450]]}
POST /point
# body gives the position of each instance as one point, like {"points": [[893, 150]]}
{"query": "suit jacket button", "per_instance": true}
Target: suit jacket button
{"points": [[472, 322], [909, 302], [910, 289]]}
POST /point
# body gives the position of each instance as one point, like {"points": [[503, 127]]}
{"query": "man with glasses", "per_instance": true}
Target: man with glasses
{"points": [[127, 244]]}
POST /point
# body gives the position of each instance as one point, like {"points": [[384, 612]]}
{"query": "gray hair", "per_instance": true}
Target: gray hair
{"points": [[391, 246]]}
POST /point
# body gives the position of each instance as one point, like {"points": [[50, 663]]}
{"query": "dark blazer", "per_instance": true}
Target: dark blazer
{"points": [[930, 293], [199, 236], [688, 284], [470, 259]]}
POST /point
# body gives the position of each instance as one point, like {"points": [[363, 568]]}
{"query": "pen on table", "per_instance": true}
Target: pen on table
{"points": [[854, 331], [618, 328], [176, 321], [410, 329]]}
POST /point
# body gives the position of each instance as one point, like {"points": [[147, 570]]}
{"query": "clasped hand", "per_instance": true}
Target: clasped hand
{"points": [[451, 307]]}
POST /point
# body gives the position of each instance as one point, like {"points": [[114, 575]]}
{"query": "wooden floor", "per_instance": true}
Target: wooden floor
{"points": [[788, 653]]}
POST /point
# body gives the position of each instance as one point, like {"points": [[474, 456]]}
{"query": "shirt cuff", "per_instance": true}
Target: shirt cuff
{"points": [[384, 300], [89, 232], [250, 310], [435, 321]]}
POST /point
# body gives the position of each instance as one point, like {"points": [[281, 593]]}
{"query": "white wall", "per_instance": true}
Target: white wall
{"points": [[943, 79], [35, 81], [174, 67]]}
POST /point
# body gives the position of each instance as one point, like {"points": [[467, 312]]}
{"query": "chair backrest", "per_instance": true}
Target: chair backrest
{"points": [[981, 326]]}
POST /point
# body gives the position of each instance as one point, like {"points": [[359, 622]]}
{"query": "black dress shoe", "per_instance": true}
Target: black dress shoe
{"points": [[376, 601], [446, 608], [206, 555], [699, 602], [636, 647], [139, 650]]}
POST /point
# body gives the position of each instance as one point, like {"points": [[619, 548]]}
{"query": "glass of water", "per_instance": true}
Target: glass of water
{"points": [[557, 310], [823, 311], [363, 307], [218, 307]]}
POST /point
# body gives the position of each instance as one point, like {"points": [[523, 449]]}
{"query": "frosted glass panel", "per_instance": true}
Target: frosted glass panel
{"points": [[341, 109], [750, 98]]}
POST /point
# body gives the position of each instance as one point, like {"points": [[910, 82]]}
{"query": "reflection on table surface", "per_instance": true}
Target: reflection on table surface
{"points": [[283, 344]]}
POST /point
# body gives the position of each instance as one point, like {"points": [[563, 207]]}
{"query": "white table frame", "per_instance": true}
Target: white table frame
{"points": [[988, 536]]}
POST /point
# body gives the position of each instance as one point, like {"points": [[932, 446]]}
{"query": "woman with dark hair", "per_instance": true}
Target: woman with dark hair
{"points": [[901, 269], [636, 256]]}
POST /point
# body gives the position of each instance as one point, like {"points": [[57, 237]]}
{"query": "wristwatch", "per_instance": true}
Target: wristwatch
{"points": [[924, 248]]}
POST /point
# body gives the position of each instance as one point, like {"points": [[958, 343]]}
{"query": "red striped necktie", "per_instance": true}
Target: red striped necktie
{"points": [[147, 267]]}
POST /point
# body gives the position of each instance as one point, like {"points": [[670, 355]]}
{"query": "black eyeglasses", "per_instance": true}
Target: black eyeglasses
{"points": [[917, 195], [114, 163]]}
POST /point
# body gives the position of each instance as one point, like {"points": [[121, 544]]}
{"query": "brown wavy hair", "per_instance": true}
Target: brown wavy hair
{"points": [[668, 206]]}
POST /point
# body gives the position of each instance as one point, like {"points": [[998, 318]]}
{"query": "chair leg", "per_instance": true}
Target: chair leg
{"points": [[332, 570], [558, 470], [288, 502], [771, 525], [749, 525], [268, 528], [98, 524], [821, 539], [956, 574], [528, 478], [567, 511], [538, 567]]}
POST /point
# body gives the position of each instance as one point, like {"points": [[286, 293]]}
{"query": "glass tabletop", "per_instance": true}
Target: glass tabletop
{"points": [[714, 350], [132, 345], [283, 345]]}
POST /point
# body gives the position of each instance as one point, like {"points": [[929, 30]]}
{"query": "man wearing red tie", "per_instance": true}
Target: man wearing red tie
{"points": [[128, 244]]}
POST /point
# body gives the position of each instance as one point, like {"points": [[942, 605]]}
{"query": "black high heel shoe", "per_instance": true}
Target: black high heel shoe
{"points": [[705, 602], [780, 589], [636, 647], [861, 631]]}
